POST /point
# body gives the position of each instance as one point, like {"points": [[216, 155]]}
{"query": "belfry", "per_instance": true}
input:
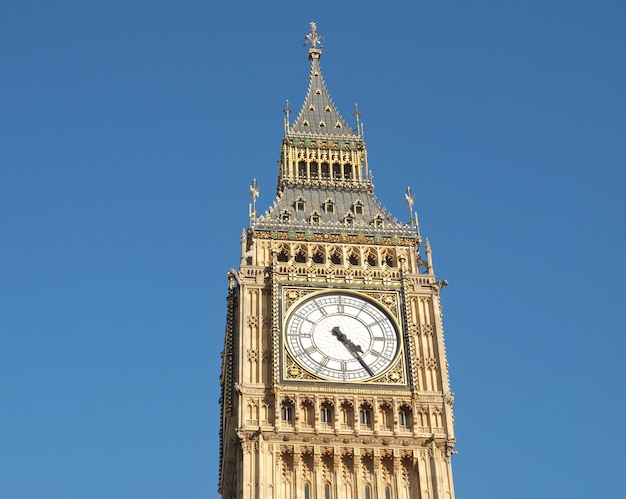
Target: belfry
{"points": [[334, 374]]}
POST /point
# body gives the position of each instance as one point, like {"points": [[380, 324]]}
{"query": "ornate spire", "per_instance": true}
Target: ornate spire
{"points": [[319, 117]]}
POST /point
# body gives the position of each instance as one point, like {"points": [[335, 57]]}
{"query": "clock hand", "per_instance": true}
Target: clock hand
{"points": [[352, 348]]}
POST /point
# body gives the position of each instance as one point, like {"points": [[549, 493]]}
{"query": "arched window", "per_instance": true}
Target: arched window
{"points": [[335, 258], [404, 418], [365, 416], [318, 257], [325, 170], [299, 205], [286, 412], [353, 258], [314, 170], [336, 171], [368, 492], [387, 492], [283, 256], [346, 416], [301, 169], [308, 412], [327, 491], [307, 490], [326, 415], [300, 257], [386, 417], [347, 171]]}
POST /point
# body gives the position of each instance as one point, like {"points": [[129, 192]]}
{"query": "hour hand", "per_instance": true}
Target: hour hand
{"points": [[340, 336], [352, 348], [344, 339]]}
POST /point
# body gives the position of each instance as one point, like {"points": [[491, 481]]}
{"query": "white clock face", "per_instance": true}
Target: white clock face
{"points": [[341, 337]]}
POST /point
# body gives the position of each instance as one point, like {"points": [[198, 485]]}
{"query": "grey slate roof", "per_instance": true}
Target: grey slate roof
{"points": [[315, 198], [318, 115]]}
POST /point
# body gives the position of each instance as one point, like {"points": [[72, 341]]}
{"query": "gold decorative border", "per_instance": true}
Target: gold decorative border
{"points": [[343, 237], [389, 301]]}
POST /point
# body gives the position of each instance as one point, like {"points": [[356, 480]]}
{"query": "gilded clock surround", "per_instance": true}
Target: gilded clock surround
{"points": [[284, 431], [387, 301]]}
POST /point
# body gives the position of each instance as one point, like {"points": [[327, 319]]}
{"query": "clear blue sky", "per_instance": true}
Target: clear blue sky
{"points": [[129, 133]]}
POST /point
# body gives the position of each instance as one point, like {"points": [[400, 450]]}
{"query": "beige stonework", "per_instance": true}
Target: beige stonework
{"points": [[287, 431]]}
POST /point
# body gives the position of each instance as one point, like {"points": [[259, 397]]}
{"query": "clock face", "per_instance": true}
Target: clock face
{"points": [[341, 337]]}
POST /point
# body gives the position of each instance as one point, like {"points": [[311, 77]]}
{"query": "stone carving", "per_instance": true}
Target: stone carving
{"points": [[387, 469], [426, 329], [253, 355], [253, 321], [367, 468], [327, 467], [286, 465], [306, 466]]}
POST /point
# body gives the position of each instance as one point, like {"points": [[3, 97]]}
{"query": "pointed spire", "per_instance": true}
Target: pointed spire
{"points": [[287, 112], [319, 115], [357, 117], [429, 257]]}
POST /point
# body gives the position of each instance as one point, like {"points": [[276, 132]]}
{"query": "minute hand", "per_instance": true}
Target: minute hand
{"points": [[352, 348]]}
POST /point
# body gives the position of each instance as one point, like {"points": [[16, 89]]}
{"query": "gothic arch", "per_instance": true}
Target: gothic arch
{"points": [[307, 414], [386, 417], [405, 417], [371, 257], [336, 256], [284, 252], [300, 253], [327, 414], [353, 255], [388, 257], [318, 254], [366, 416], [346, 415]]}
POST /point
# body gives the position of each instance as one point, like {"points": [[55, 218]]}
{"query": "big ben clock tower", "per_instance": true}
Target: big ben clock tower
{"points": [[334, 374]]}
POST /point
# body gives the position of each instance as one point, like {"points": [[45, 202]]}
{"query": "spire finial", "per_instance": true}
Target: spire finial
{"points": [[409, 198], [315, 50], [357, 116], [287, 112], [254, 192], [313, 38]]}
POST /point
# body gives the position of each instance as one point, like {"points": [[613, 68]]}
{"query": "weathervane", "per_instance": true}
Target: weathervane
{"points": [[254, 192], [313, 38], [409, 198]]}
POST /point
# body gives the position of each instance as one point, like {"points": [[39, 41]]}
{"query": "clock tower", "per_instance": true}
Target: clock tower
{"points": [[334, 373]]}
